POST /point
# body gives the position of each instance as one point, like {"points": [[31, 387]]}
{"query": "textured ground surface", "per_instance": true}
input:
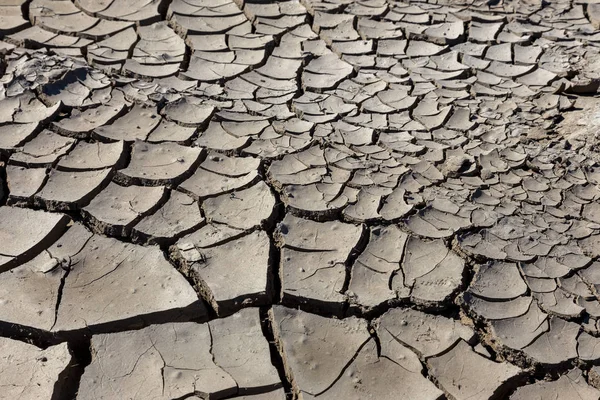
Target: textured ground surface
{"points": [[206, 199]]}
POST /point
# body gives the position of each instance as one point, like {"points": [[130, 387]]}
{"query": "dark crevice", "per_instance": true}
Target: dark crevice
{"points": [[172, 257], [275, 284], [318, 216], [187, 57], [276, 358], [356, 251], [4, 189], [275, 255], [59, 294], [507, 388], [428, 376], [43, 338], [36, 337], [131, 48], [373, 332], [68, 382], [163, 8], [25, 9], [323, 308], [371, 313]]}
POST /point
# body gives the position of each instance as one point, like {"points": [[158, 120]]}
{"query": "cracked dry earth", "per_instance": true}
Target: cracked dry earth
{"points": [[337, 199]]}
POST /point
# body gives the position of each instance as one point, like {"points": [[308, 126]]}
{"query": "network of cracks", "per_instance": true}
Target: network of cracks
{"points": [[338, 199]]}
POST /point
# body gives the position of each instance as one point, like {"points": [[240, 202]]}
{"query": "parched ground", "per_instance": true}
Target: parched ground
{"points": [[210, 199]]}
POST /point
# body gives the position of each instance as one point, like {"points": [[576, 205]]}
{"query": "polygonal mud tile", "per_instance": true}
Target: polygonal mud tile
{"points": [[240, 348], [447, 32], [219, 174], [557, 345], [26, 108], [105, 285], [484, 32], [112, 51], [325, 72], [135, 124], [65, 45], [560, 302], [158, 53], [317, 200], [23, 183], [92, 156], [143, 12], [431, 272], [43, 150], [212, 360], [217, 138], [15, 135], [111, 283], [106, 28], [60, 16], [506, 70], [219, 276], [32, 373], [25, 233], [519, 332], [188, 111], [434, 223], [365, 208], [373, 269], [305, 167], [464, 374], [497, 281], [571, 384], [211, 68], [418, 48], [427, 335], [303, 338], [31, 292], [168, 131], [397, 373], [395, 206], [587, 347], [71, 190], [591, 274], [177, 217], [116, 209], [243, 209], [208, 18], [137, 69], [272, 145], [159, 164], [11, 18], [271, 90], [497, 309], [313, 257], [81, 123]]}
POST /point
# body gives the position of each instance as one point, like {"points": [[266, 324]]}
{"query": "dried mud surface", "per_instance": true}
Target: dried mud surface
{"points": [[338, 199]]}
